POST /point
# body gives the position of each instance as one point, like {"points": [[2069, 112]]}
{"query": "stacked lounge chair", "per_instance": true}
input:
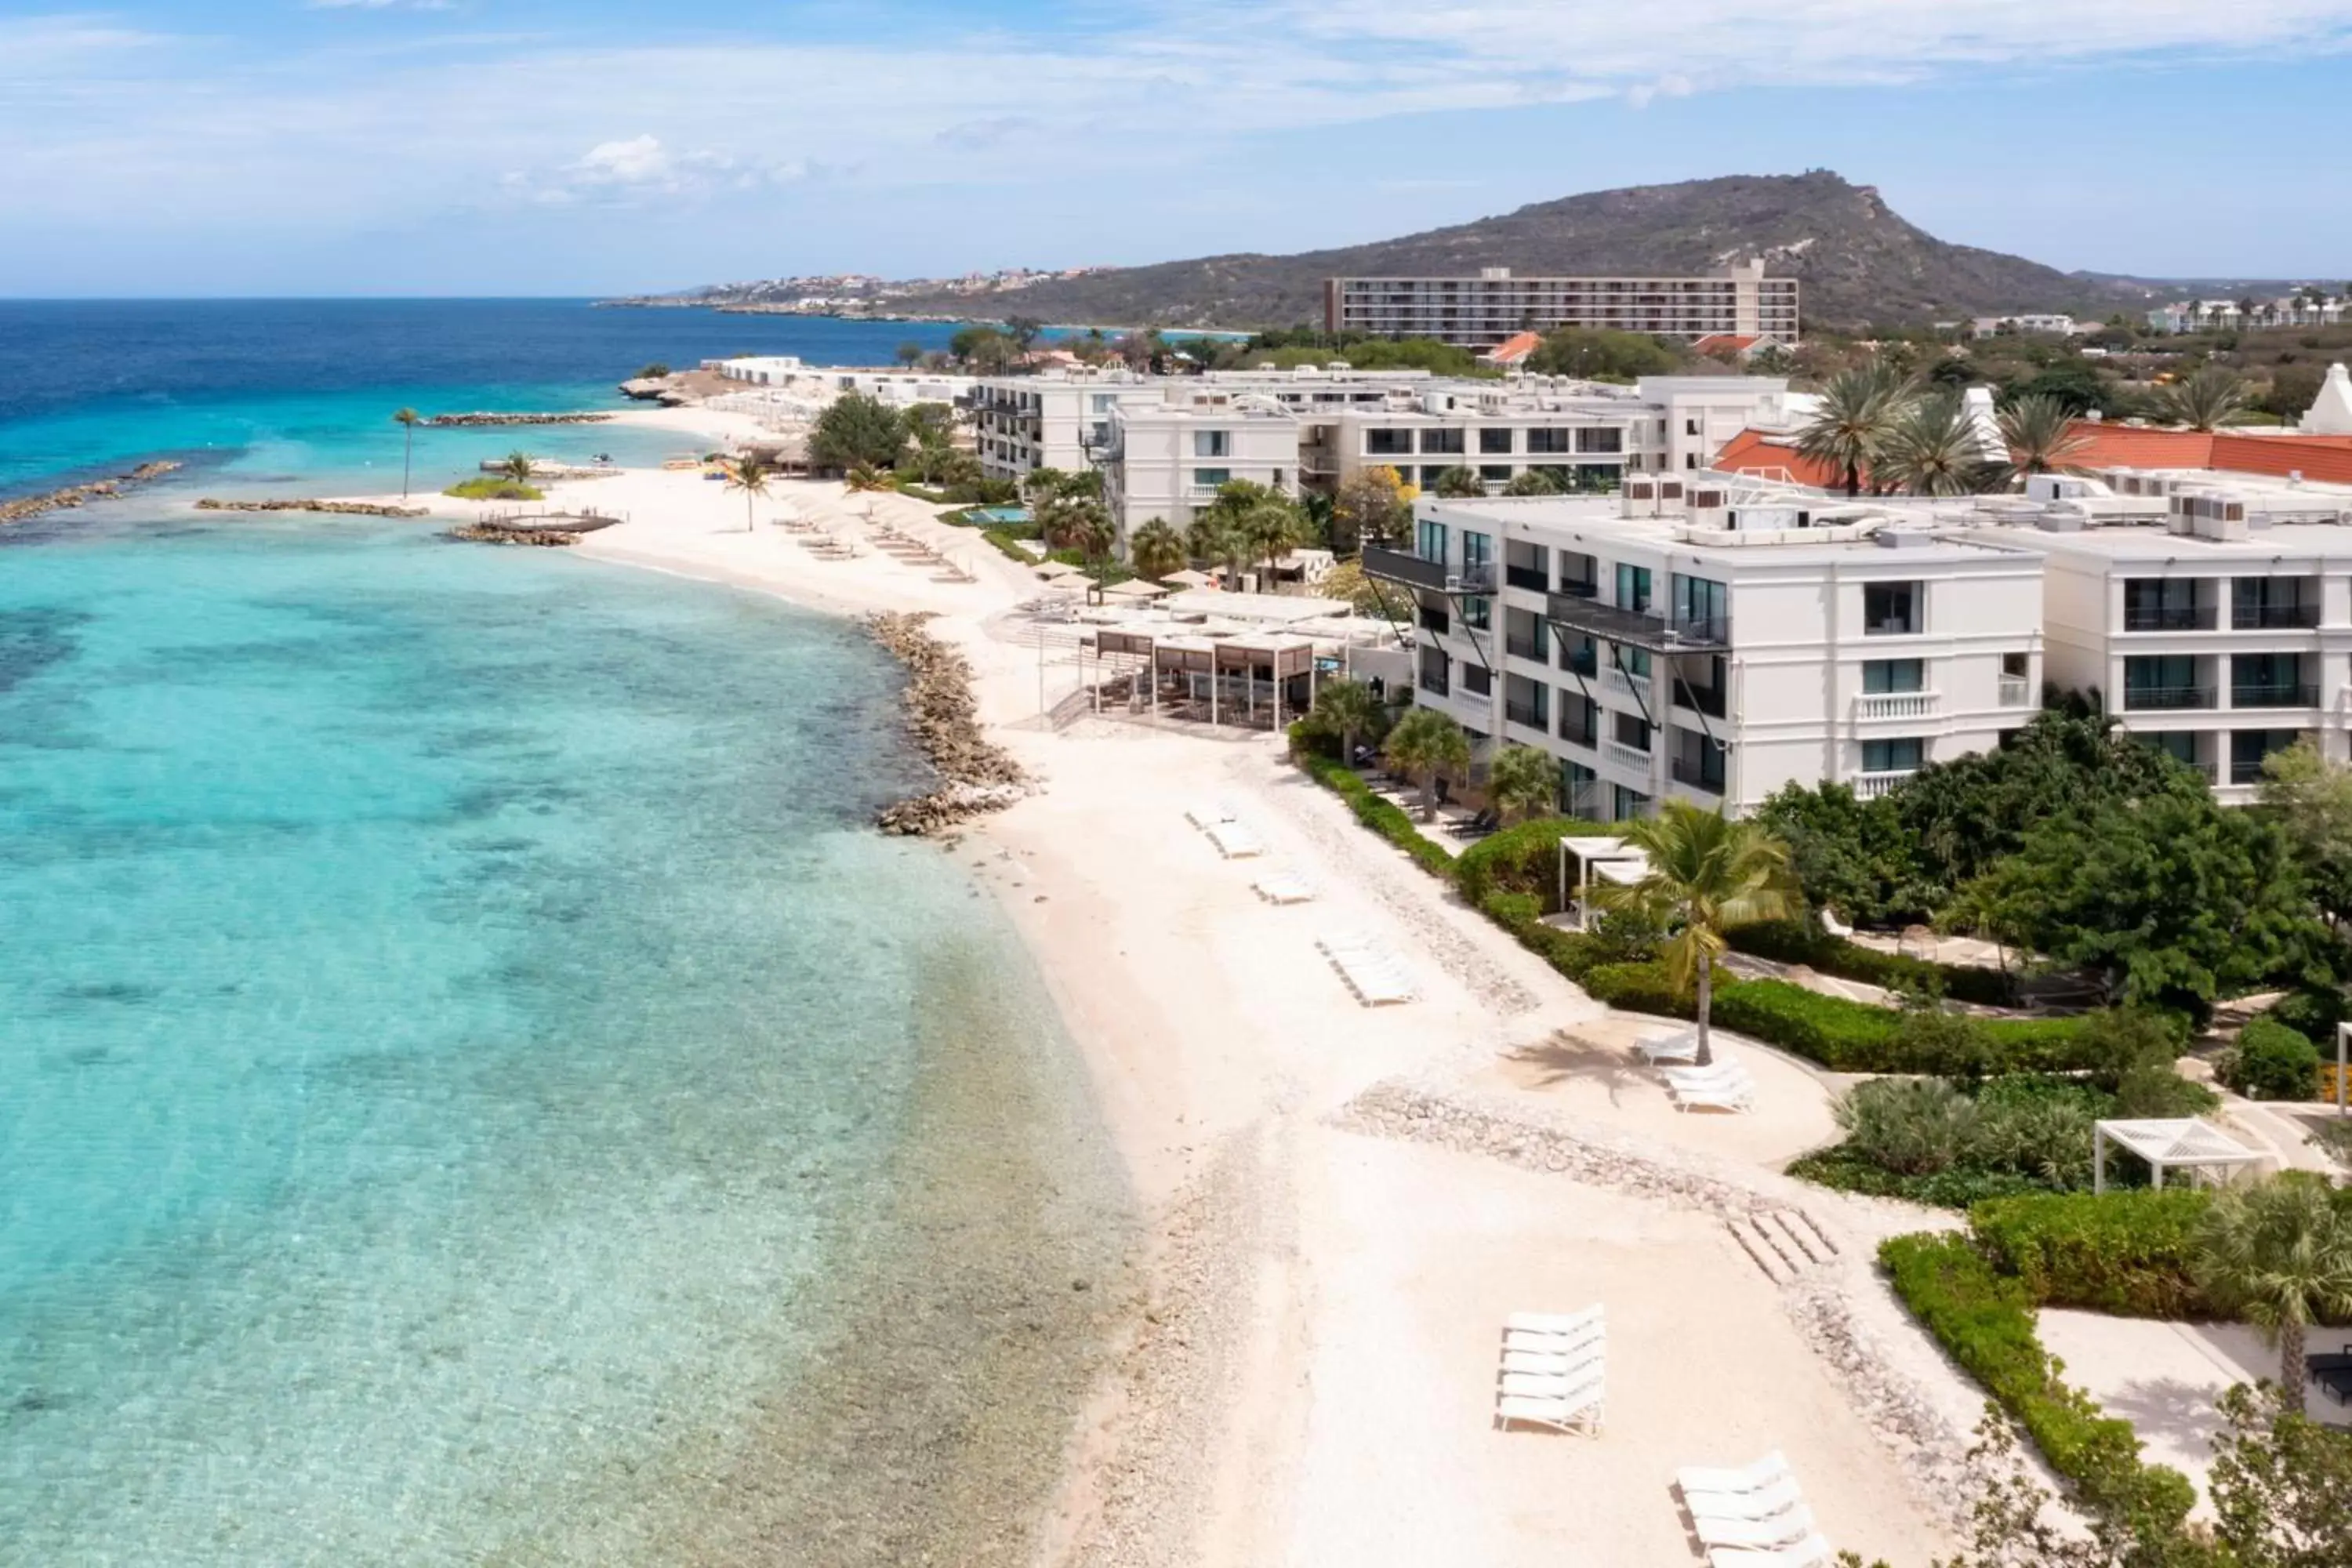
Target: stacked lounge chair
{"points": [[1234, 840], [1552, 1370], [1371, 971], [1281, 887], [1753, 1518], [1723, 1084]]}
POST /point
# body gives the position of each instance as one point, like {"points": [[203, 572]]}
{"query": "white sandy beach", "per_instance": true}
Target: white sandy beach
{"points": [[1314, 1379]]}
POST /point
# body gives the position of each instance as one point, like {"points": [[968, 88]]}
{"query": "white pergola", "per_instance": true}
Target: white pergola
{"points": [[2168, 1143], [1610, 860]]}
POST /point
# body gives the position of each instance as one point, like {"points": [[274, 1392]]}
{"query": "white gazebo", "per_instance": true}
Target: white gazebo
{"points": [[2168, 1143], [1610, 860]]}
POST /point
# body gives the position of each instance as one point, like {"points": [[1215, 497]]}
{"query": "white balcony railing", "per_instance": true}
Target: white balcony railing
{"points": [[1895, 705], [1624, 685], [1626, 757], [2016, 691], [1870, 786]]}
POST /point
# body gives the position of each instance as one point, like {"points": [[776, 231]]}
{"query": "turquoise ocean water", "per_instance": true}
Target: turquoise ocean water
{"points": [[475, 1090]]}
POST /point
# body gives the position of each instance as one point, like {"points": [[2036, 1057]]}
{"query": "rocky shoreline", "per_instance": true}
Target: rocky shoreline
{"points": [[452, 421], [338, 508], [492, 533], [976, 775], [79, 495]]}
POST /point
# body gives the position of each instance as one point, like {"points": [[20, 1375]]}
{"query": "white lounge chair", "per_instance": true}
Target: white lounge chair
{"points": [[1724, 1065], [1234, 841], [1764, 1502], [1209, 815], [1729, 1096], [1771, 1468], [1555, 1364], [1834, 926], [1553, 1345], [1560, 1415], [1541, 1386], [1285, 887], [1555, 1322], [1679, 1047], [1812, 1552], [1757, 1535]]}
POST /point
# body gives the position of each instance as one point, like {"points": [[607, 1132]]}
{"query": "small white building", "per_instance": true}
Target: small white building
{"points": [[2028, 324]]}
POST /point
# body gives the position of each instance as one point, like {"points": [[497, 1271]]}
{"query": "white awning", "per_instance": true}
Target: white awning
{"points": [[2169, 1144]]}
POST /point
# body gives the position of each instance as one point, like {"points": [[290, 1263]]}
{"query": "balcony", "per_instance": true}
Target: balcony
{"points": [[1533, 578], [1638, 629], [1433, 619], [2273, 618], [1870, 786], [2016, 691], [1624, 756], [1707, 776], [1707, 699], [1584, 734], [1396, 566], [1637, 687], [2275, 697], [2171, 617], [1519, 647], [1579, 587], [1895, 705], [1585, 662], [1526, 713], [2245, 773], [1435, 684], [2169, 698]]}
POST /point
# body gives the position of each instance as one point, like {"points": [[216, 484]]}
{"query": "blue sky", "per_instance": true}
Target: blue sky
{"points": [[514, 146]]}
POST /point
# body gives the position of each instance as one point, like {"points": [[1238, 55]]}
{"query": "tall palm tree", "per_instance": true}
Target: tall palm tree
{"points": [[2208, 400], [2039, 431], [1425, 743], [408, 419], [1213, 538], [865, 479], [1458, 483], [1157, 550], [748, 475], [1933, 449], [1271, 527], [517, 467], [1522, 782], [1350, 709], [1856, 410], [2278, 1253], [1707, 874]]}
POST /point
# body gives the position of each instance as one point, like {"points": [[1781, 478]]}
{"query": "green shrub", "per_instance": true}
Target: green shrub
{"points": [[2038, 1128], [1909, 1126], [2270, 1061], [1985, 1322], [489, 487], [1383, 817], [1524, 859], [1954, 1189], [1847, 1036], [2121, 1252], [1796, 942], [2312, 1013], [1513, 910], [1645, 988]]}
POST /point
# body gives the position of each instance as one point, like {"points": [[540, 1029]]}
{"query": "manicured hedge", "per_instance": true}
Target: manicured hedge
{"points": [[1854, 1037], [1381, 815], [1985, 1322], [1646, 988], [1524, 860], [2271, 1061], [2126, 1253], [1794, 941]]}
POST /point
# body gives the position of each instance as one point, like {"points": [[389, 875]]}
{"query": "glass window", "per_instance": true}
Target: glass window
{"points": [[1606, 439], [1477, 548], [1430, 539], [1384, 442], [1492, 441], [1885, 675], [1701, 604], [1630, 803], [1551, 442], [1430, 475], [1210, 479], [1443, 440], [1495, 473], [1212, 443], [2016, 665], [1476, 680], [2180, 745], [1891, 756], [1890, 609], [1633, 588], [1628, 730]]}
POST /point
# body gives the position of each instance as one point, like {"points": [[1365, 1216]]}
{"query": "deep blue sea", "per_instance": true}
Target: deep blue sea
{"points": [[472, 1086]]}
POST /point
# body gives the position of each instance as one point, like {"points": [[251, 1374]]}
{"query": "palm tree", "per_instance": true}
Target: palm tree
{"points": [[1707, 874], [1932, 448], [2278, 1253], [1856, 410], [1424, 744], [1270, 527], [1458, 483], [2039, 431], [865, 478], [408, 419], [1529, 482], [1522, 782], [2206, 401], [1156, 550], [748, 475], [517, 467], [1350, 709], [1213, 538]]}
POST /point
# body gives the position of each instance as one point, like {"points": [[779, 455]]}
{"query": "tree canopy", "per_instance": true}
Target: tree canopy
{"points": [[855, 429], [1592, 353]]}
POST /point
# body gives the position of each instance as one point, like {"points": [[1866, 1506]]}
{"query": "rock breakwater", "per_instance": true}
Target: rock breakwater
{"points": [[80, 495], [976, 775], [336, 508], [450, 421]]}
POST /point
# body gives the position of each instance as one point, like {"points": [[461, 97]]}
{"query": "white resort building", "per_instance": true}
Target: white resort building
{"points": [[1480, 312]]}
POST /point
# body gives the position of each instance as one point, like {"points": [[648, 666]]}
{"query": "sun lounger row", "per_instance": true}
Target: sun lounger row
{"points": [[1371, 971], [1723, 1085], [1234, 840], [1552, 1370], [1753, 1518], [1285, 887]]}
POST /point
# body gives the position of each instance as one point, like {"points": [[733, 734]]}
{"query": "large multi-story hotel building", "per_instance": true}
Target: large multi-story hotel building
{"points": [[1715, 637], [1482, 312]]}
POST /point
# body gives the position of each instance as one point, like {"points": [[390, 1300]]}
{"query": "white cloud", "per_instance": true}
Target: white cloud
{"points": [[640, 169]]}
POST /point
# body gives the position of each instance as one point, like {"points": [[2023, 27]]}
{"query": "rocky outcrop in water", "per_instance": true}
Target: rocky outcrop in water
{"points": [[79, 495], [976, 775], [491, 534], [338, 508], [448, 421]]}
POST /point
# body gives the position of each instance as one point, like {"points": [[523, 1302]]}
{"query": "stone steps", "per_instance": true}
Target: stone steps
{"points": [[1783, 1243]]}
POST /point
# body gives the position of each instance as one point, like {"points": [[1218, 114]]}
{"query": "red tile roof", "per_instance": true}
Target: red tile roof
{"points": [[2319, 458], [1514, 349], [1726, 342]]}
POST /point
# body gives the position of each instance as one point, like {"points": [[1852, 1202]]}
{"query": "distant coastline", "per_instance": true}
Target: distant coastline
{"points": [[738, 307]]}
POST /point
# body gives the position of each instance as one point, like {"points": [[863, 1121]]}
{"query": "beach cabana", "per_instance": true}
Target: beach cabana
{"points": [[2168, 1143], [1188, 578], [1053, 571], [1602, 859], [1135, 588]]}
